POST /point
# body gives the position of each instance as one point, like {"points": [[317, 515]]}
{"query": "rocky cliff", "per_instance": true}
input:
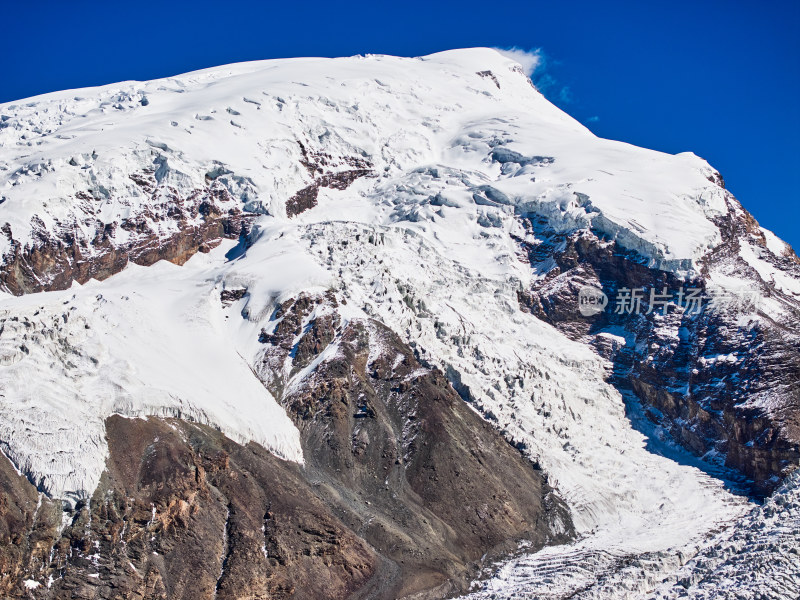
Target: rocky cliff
{"points": [[722, 375], [404, 490]]}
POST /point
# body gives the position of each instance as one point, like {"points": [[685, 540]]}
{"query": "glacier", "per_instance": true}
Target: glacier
{"points": [[449, 149]]}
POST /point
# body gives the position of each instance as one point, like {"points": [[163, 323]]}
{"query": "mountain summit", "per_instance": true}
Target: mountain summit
{"points": [[379, 327]]}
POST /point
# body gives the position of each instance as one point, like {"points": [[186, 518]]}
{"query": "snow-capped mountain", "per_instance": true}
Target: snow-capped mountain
{"points": [[337, 288]]}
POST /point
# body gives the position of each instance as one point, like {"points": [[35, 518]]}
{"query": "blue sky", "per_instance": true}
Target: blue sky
{"points": [[719, 78]]}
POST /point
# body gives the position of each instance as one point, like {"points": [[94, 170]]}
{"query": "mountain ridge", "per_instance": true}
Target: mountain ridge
{"points": [[441, 198]]}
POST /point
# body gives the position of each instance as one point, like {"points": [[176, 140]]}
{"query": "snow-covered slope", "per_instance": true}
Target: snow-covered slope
{"points": [[152, 341], [395, 182], [755, 558], [467, 120]]}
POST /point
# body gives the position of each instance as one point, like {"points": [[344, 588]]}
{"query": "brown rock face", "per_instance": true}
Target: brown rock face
{"points": [[444, 487], [27, 529], [318, 165], [744, 409], [404, 490], [169, 227], [183, 512]]}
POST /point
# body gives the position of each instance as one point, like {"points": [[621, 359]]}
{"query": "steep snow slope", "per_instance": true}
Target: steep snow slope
{"points": [[395, 182], [151, 341], [250, 125]]}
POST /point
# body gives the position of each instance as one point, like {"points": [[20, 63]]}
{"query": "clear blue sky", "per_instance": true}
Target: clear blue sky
{"points": [[719, 78]]}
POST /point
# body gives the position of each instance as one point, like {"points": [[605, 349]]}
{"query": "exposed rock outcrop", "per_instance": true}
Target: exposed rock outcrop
{"points": [[319, 166], [169, 227], [444, 487], [724, 380], [184, 512], [404, 491]]}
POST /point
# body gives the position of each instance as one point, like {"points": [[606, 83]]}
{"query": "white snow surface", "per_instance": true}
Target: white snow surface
{"points": [[151, 341], [425, 123], [424, 246], [757, 558]]}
